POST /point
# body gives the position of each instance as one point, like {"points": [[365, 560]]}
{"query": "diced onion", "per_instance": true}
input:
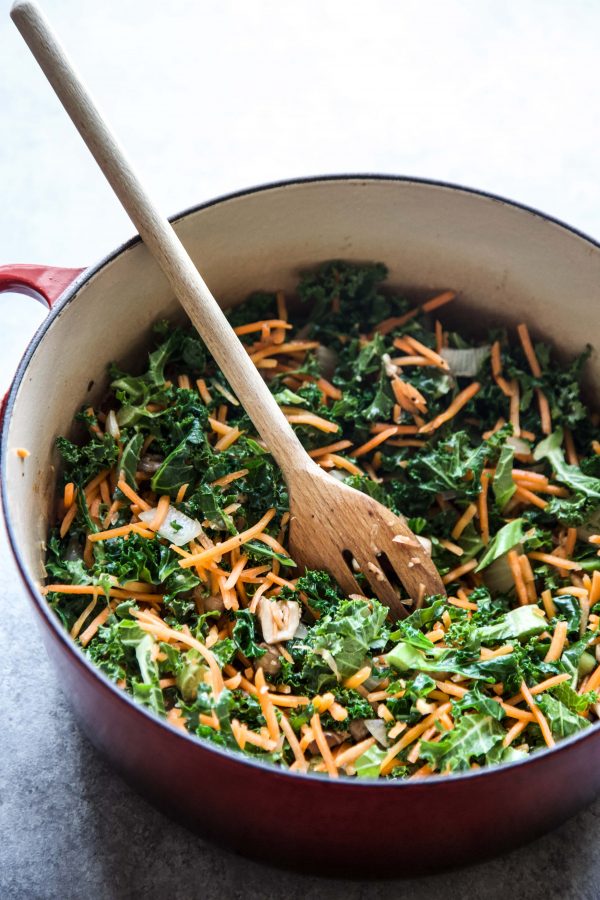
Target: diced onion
{"points": [[465, 363], [112, 426], [377, 729], [519, 445], [177, 528]]}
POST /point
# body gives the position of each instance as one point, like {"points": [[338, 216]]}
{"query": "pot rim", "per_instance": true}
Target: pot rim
{"points": [[53, 622]]}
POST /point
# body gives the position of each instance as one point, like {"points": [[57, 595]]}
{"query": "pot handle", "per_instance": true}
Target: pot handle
{"points": [[43, 283]]}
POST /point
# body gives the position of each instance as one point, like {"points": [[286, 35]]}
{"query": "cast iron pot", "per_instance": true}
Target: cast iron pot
{"points": [[509, 263]]}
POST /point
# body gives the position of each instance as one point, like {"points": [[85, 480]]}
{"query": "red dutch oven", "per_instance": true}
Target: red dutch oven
{"points": [[508, 263]]}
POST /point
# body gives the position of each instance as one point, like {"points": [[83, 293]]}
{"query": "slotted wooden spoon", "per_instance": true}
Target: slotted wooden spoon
{"points": [[331, 524]]}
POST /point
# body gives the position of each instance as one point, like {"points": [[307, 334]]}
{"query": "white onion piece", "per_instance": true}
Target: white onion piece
{"points": [[519, 445], [185, 529], [376, 728], [289, 614], [112, 426], [467, 362]]}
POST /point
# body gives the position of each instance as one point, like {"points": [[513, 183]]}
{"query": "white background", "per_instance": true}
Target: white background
{"points": [[213, 96]]}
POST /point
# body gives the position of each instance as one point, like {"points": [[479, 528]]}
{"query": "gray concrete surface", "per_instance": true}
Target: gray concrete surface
{"points": [[208, 98]]}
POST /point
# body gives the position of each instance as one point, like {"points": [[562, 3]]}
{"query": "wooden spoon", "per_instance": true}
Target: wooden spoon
{"points": [[331, 524]]}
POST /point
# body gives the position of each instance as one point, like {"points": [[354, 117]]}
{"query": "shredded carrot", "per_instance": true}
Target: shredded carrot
{"points": [[328, 389], [484, 523], [457, 404], [210, 720], [311, 419], [219, 427], [454, 690], [337, 712], [570, 541], [162, 511], [595, 589], [515, 402], [181, 493], [400, 429], [294, 743], [427, 352], [462, 604], [358, 678], [290, 701], [227, 479], [291, 347], [95, 624], [258, 594], [321, 741], [532, 359], [594, 680], [352, 753], [457, 573], [541, 687], [151, 623], [571, 452], [205, 394], [330, 448], [22, 453], [68, 520], [266, 705], [394, 322], [517, 574], [408, 397], [412, 361], [121, 531], [552, 560], [235, 541], [411, 735], [558, 642], [463, 521], [439, 336], [527, 496], [528, 578], [544, 407], [538, 714], [69, 494], [78, 625], [228, 439], [257, 326], [131, 495], [496, 359], [339, 462], [514, 732], [439, 300]]}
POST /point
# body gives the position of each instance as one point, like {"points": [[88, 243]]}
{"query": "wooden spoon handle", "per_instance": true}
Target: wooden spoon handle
{"points": [[158, 235]]}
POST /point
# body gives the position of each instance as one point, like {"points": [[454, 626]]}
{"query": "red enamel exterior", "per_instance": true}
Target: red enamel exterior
{"points": [[47, 282], [313, 824], [309, 823]]}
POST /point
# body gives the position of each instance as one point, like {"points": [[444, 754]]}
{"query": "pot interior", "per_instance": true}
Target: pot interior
{"points": [[508, 264]]}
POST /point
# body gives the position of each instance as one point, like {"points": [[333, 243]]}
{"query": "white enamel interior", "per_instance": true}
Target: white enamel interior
{"points": [[508, 264]]}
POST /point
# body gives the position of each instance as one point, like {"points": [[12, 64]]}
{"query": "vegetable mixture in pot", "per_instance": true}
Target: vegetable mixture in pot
{"points": [[169, 564]]}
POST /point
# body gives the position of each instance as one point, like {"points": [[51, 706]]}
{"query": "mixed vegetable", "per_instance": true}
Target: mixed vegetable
{"points": [[170, 567]]}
